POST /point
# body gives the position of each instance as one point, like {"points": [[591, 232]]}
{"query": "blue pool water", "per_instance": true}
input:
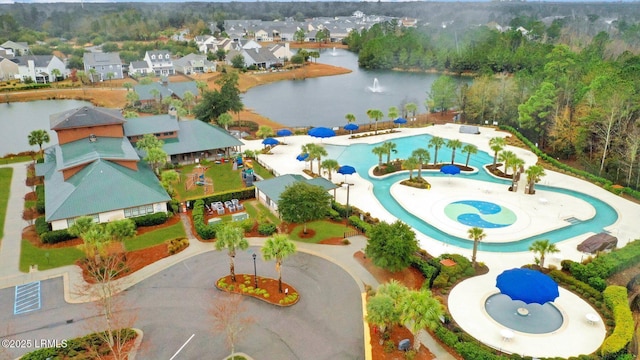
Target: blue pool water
{"points": [[539, 319], [482, 214], [361, 157]]}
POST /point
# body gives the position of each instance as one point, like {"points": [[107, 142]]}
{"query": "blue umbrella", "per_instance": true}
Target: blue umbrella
{"points": [[400, 121], [302, 157], [450, 170], [351, 127], [346, 170], [527, 285], [270, 141], [284, 132], [321, 132]]}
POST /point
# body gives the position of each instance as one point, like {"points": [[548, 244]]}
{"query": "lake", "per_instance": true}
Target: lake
{"points": [[18, 119], [325, 101]]}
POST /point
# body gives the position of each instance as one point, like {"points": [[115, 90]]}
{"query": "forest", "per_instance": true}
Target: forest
{"points": [[566, 75]]}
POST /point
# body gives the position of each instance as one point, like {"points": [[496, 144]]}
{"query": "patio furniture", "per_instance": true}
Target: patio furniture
{"points": [[592, 318], [507, 335]]}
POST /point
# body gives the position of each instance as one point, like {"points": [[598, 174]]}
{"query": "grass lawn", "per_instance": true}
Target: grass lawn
{"points": [[5, 187], [261, 171], [324, 230], [253, 208], [222, 176], [47, 258], [155, 237], [15, 159]]}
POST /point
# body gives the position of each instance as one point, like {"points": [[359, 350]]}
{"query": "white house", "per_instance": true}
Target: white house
{"points": [[160, 61], [194, 63], [41, 68]]}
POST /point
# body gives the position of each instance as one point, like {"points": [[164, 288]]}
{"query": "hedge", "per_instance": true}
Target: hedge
{"points": [[151, 219], [575, 284], [242, 194], [40, 199], [615, 297], [605, 265], [267, 229], [600, 181], [42, 226], [56, 236], [359, 224], [205, 231], [428, 271]]}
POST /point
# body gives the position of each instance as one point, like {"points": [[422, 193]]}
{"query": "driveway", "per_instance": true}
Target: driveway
{"points": [[172, 305]]}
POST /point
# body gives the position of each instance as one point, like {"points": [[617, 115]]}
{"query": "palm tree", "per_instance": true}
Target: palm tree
{"points": [[476, 234], [506, 157], [453, 144], [393, 113], [389, 147], [224, 120], [379, 150], [350, 119], [38, 137], [316, 152], [278, 247], [376, 115], [264, 131], [56, 74], [423, 156], [231, 237], [469, 149], [330, 165], [419, 309], [411, 164], [382, 312], [496, 144], [534, 174], [436, 142], [370, 116], [188, 99], [128, 85], [411, 108], [515, 164], [543, 247]]}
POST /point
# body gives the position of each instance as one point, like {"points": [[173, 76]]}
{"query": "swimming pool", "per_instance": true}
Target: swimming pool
{"points": [[361, 157], [535, 319], [482, 214]]}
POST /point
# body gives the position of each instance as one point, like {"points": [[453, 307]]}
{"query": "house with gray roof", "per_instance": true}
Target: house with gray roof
{"points": [[17, 48], [184, 141], [41, 68], [268, 191], [95, 171], [149, 93], [194, 64], [160, 61], [262, 57], [8, 68], [139, 68], [102, 66]]}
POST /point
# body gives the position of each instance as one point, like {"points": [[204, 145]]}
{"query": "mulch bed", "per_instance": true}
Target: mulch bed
{"points": [[268, 284]]}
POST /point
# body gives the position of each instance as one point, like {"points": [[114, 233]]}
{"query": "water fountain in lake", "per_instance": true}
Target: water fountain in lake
{"points": [[376, 88], [334, 52]]}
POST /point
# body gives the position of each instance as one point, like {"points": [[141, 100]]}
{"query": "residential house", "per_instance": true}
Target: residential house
{"points": [[206, 43], [95, 171], [268, 191], [6, 52], [194, 63], [155, 92], [140, 68], [160, 61], [184, 141], [261, 58], [8, 69], [17, 48], [245, 44], [41, 68], [282, 52], [102, 66]]}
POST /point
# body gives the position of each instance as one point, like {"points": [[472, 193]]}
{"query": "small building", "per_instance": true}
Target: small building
{"points": [[469, 129], [139, 68], [597, 243], [268, 191]]}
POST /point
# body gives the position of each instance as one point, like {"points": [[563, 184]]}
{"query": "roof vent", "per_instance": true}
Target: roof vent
{"points": [[92, 138]]}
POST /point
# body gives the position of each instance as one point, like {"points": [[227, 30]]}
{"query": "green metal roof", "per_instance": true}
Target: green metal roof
{"points": [[273, 187], [101, 186], [150, 125], [196, 135], [84, 151], [177, 88]]}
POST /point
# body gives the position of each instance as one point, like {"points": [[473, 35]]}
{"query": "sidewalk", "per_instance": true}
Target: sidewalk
{"points": [[13, 225]]}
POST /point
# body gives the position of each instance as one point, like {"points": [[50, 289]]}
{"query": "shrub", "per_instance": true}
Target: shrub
{"points": [[429, 271], [42, 226], [267, 229], [56, 236], [615, 297], [242, 194], [334, 215], [389, 346], [40, 206], [151, 219], [359, 224], [174, 246]]}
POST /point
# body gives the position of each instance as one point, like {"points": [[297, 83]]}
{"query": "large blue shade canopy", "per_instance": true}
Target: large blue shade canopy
{"points": [[346, 170], [450, 170], [270, 141], [527, 285], [321, 132], [351, 127], [400, 121], [284, 132]]}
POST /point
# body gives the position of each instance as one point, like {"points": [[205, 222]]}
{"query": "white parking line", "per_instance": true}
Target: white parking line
{"points": [[182, 347]]}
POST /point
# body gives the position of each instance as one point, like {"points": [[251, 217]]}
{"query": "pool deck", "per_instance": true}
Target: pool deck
{"points": [[535, 214]]}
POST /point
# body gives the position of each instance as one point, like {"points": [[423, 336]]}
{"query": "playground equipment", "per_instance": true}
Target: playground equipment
{"points": [[197, 178], [247, 176]]}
